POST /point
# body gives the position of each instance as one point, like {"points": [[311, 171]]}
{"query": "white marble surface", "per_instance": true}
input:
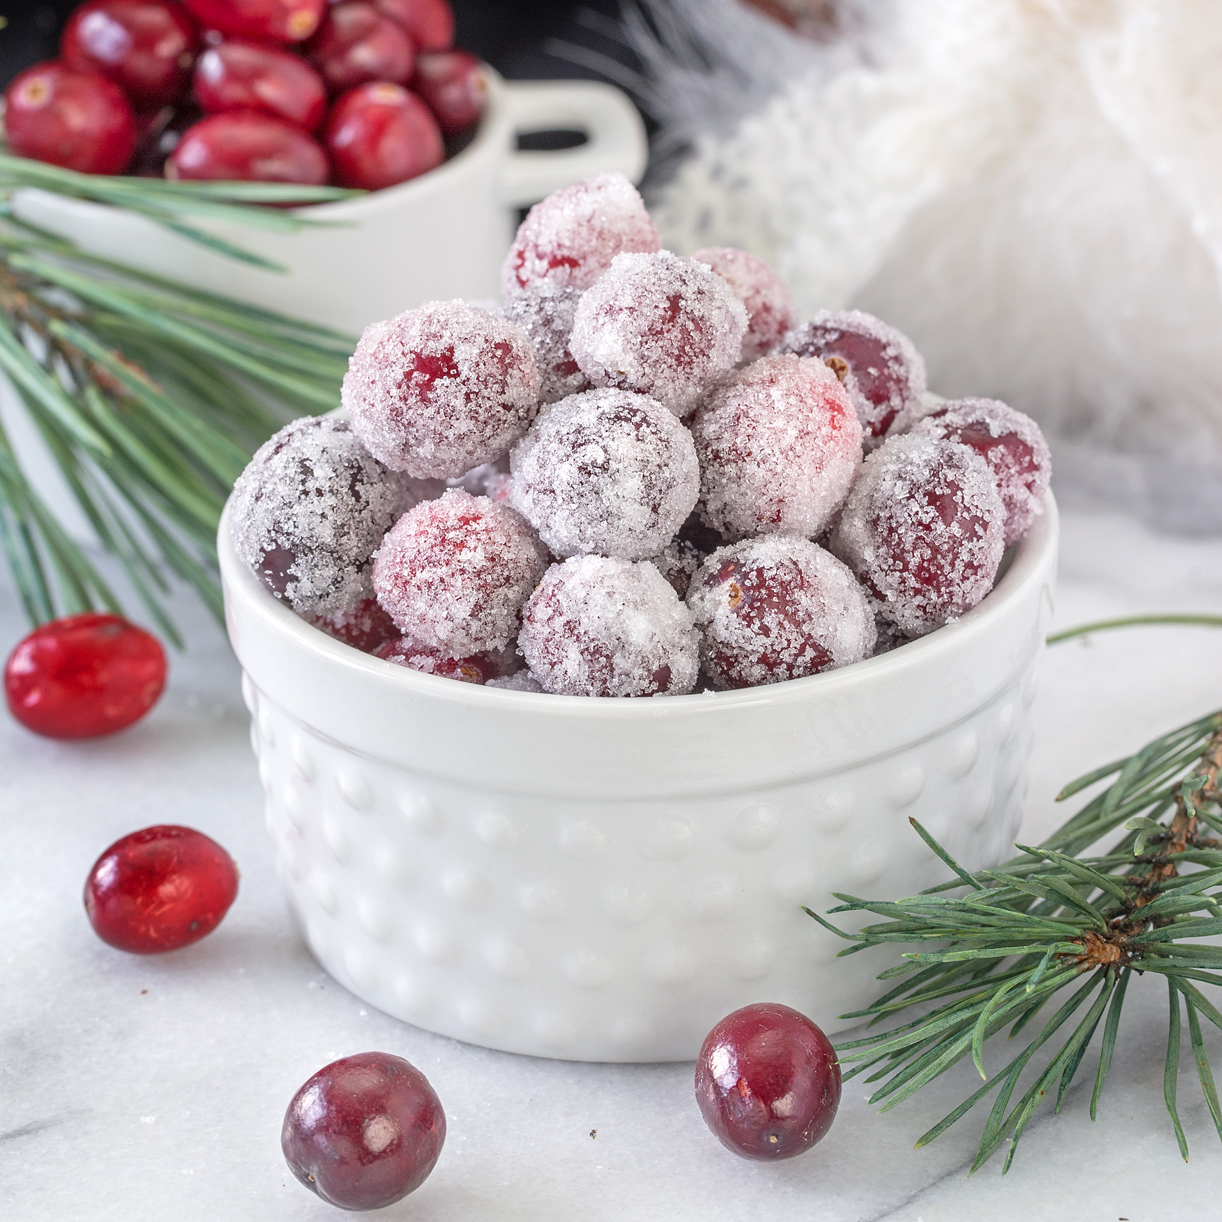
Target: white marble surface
{"points": [[153, 1088]]}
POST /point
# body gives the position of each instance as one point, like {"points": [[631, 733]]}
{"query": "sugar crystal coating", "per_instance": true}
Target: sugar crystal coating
{"points": [[546, 313], [599, 626], [521, 681], [924, 530], [1010, 442], [309, 510], [765, 296], [363, 625], [606, 472], [879, 366], [779, 446], [439, 390], [570, 238], [777, 608], [453, 573], [661, 326], [678, 562], [480, 668]]}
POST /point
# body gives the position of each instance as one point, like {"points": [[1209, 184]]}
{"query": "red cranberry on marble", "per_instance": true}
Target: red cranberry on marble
{"points": [[78, 120], [379, 135], [455, 85], [356, 44], [429, 23], [84, 676], [242, 75], [364, 1131], [274, 20], [245, 146], [144, 46], [160, 889], [767, 1082]]}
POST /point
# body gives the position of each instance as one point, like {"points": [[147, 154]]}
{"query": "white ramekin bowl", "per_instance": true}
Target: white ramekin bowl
{"points": [[604, 879]]}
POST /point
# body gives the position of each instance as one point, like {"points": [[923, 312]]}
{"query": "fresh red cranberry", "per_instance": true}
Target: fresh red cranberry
{"points": [[379, 135], [429, 23], [364, 1131], [79, 120], [239, 75], [84, 676], [455, 86], [144, 46], [767, 1082], [245, 146], [160, 889], [276, 20], [356, 44]]}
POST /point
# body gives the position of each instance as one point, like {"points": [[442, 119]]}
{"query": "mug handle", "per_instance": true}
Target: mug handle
{"points": [[616, 136]]}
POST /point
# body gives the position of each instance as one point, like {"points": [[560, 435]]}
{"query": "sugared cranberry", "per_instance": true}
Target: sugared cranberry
{"points": [[599, 626], [1010, 442], [924, 530], [778, 608], [363, 625], [429, 23], [455, 85], [160, 889], [454, 573], [356, 44], [239, 75], [765, 296], [546, 313], [441, 389], [84, 676], [661, 326], [79, 120], [779, 446], [144, 46], [570, 238], [381, 134], [767, 1082], [364, 1131], [276, 20], [479, 668], [879, 366], [606, 472], [245, 146]]}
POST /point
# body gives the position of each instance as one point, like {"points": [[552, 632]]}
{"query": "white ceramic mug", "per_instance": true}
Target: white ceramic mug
{"points": [[440, 236]]}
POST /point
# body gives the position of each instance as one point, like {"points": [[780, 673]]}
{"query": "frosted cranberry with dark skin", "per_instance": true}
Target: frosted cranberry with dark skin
{"points": [[160, 889], [379, 135], [245, 146], [455, 86], [356, 44], [274, 20], [364, 1131], [239, 75], [84, 676], [78, 120], [767, 1082], [144, 46], [364, 626], [429, 23], [478, 668]]}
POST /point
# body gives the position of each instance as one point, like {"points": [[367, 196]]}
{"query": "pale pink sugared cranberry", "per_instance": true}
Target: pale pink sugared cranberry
{"points": [[879, 366], [246, 146], [570, 238], [766, 297], [924, 530], [608, 627], [271, 20], [777, 608], [661, 326], [779, 446], [441, 389], [453, 573], [243, 75], [606, 472], [380, 135], [545, 313], [355, 44], [1010, 442]]}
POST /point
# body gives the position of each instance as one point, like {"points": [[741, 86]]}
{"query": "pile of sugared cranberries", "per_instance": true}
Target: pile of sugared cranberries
{"points": [[359, 93], [636, 477]]}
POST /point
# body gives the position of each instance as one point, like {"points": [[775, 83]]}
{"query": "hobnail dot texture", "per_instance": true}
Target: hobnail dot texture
{"points": [[616, 931]]}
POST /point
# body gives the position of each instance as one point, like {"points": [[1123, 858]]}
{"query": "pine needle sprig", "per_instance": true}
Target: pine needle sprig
{"points": [[1051, 920], [150, 396]]}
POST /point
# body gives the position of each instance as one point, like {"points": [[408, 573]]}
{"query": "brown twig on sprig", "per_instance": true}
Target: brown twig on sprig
{"points": [[1049, 920]]}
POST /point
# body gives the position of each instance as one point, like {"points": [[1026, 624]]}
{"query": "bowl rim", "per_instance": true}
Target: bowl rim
{"points": [[1024, 566]]}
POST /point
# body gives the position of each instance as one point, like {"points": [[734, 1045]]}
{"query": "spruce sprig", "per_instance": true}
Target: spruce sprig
{"points": [[149, 395], [1052, 922]]}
